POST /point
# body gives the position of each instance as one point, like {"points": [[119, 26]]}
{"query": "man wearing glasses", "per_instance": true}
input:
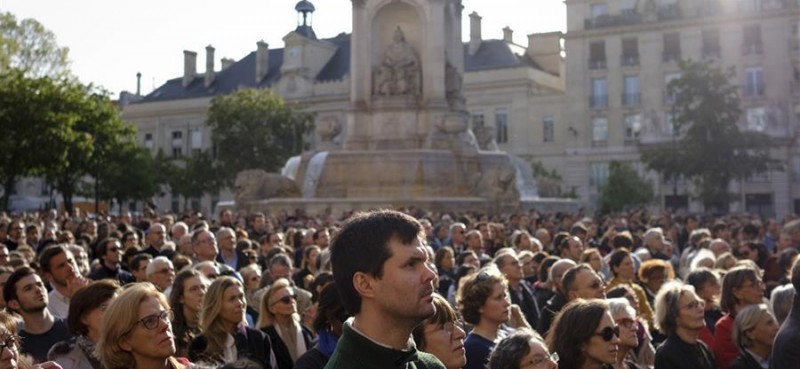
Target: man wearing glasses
{"points": [[386, 280], [110, 253], [16, 235]]}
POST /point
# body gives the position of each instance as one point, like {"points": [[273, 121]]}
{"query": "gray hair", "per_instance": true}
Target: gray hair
{"points": [[653, 234], [747, 319], [225, 231], [781, 301], [180, 225], [457, 224], [156, 263], [618, 305], [666, 306], [564, 264]]}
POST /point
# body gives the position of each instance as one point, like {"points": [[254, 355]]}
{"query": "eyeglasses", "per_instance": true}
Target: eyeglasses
{"points": [[539, 361], [286, 299], [608, 333], [628, 323], [151, 321], [9, 342], [695, 305]]}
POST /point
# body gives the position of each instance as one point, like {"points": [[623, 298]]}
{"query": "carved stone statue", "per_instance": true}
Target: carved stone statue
{"points": [[328, 128], [498, 182], [454, 83], [256, 184], [399, 73], [485, 136]]}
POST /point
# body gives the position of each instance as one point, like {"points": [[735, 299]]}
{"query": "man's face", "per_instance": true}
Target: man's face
{"points": [[512, 268], [178, 232], [4, 254], [587, 285], [140, 271], [475, 242], [486, 232], [277, 271], [62, 268], [574, 249], [323, 239], [458, 235], [205, 247], [33, 236], [260, 224], [164, 275], [656, 244], [31, 295], [157, 235], [15, 231], [113, 254], [227, 241], [405, 291], [227, 217], [785, 242]]}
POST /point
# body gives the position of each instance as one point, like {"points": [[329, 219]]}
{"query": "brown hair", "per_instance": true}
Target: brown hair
{"points": [[88, 298]]}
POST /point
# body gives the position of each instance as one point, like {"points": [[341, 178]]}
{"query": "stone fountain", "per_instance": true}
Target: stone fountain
{"points": [[407, 139]]}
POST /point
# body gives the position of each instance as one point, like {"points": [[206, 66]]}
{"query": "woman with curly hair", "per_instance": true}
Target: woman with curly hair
{"points": [[584, 335], [226, 337], [483, 302]]}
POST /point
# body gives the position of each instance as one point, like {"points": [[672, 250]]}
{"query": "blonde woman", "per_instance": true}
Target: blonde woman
{"points": [[137, 331], [278, 318], [226, 337]]}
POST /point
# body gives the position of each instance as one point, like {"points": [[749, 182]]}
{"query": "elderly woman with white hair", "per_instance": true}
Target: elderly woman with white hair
{"points": [[781, 301], [754, 333], [624, 316], [679, 315]]}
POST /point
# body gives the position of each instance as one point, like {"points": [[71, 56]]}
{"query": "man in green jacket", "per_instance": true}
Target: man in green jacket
{"points": [[386, 282]]}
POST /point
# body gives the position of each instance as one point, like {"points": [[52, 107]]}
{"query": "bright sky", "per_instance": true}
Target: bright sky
{"points": [[111, 40]]}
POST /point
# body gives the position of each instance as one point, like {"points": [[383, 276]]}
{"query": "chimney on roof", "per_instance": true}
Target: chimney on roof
{"points": [[227, 62], [508, 34], [209, 65], [474, 32], [262, 61], [189, 67], [138, 83], [545, 50]]}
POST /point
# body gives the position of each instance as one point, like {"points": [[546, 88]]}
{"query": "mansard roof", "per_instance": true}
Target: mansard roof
{"points": [[492, 54]]}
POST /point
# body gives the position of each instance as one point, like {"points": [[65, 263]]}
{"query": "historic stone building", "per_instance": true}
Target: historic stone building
{"points": [[605, 101], [621, 54], [514, 93]]}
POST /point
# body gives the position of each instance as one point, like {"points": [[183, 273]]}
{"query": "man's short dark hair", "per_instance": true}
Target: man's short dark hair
{"points": [[102, 247], [281, 259], [48, 254], [138, 260], [362, 245], [568, 280], [10, 289]]}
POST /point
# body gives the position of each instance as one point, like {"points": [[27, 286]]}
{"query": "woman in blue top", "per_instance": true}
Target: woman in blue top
{"points": [[484, 302]]}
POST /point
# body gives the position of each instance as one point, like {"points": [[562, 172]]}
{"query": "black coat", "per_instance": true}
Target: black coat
{"points": [[786, 349], [675, 353], [526, 302], [282, 355], [251, 344], [745, 361]]}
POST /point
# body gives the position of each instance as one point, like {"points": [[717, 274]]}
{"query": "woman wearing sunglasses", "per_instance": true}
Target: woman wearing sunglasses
{"points": [[441, 335], [483, 302], [584, 335], [186, 300], [680, 316], [137, 331], [279, 319], [625, 318], [226, 337], [524, 349]]}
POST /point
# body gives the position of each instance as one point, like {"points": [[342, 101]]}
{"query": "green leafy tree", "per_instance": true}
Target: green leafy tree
{"points": [[714, 149], [255, 129], [624, 190], [96, 132], [127, 173], [32, 123], [29, 47], [193, 176]]}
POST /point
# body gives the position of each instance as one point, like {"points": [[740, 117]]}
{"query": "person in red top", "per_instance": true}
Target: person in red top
{"points": [[741, 287]]}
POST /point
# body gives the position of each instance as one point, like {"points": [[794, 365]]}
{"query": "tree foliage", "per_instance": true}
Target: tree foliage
{"points": [[29, 47], [193, 176], [255, 129], [624, 190], [714, 149], [127, 173]]}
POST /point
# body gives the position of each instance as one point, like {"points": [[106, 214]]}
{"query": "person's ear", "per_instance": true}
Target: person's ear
{"points": [[364, 284], [13, 304], [125, 345]]}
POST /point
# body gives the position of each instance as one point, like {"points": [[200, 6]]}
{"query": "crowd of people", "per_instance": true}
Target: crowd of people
{"points": [[398, 289]]}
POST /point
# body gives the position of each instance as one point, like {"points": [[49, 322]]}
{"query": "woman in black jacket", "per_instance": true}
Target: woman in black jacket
{"points": [[225, 336], [278, 318], [754, 333]]}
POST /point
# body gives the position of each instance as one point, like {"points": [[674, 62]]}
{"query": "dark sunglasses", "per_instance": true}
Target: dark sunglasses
{"points": [[286, 299], [608, 333]]}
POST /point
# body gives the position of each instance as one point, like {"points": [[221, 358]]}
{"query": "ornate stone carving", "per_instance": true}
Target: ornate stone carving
{"points": [[399, 73], [485, 136], [328, 128], [454, 84], [256, 184], [497, 182]]}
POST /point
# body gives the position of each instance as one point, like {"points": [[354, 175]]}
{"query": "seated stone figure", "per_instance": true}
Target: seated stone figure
{"points": [[256, 184]]}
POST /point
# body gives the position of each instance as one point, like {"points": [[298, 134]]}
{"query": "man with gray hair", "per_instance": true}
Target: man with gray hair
{"points": [[653, 240], [156, 238], [559, 299], [178, 230], [161, 273], [792, 229], [457, 236], [226, 239]]}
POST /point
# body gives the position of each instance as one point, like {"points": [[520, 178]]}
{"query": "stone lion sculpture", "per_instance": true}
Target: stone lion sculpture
{"points": [[256, 184]]}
